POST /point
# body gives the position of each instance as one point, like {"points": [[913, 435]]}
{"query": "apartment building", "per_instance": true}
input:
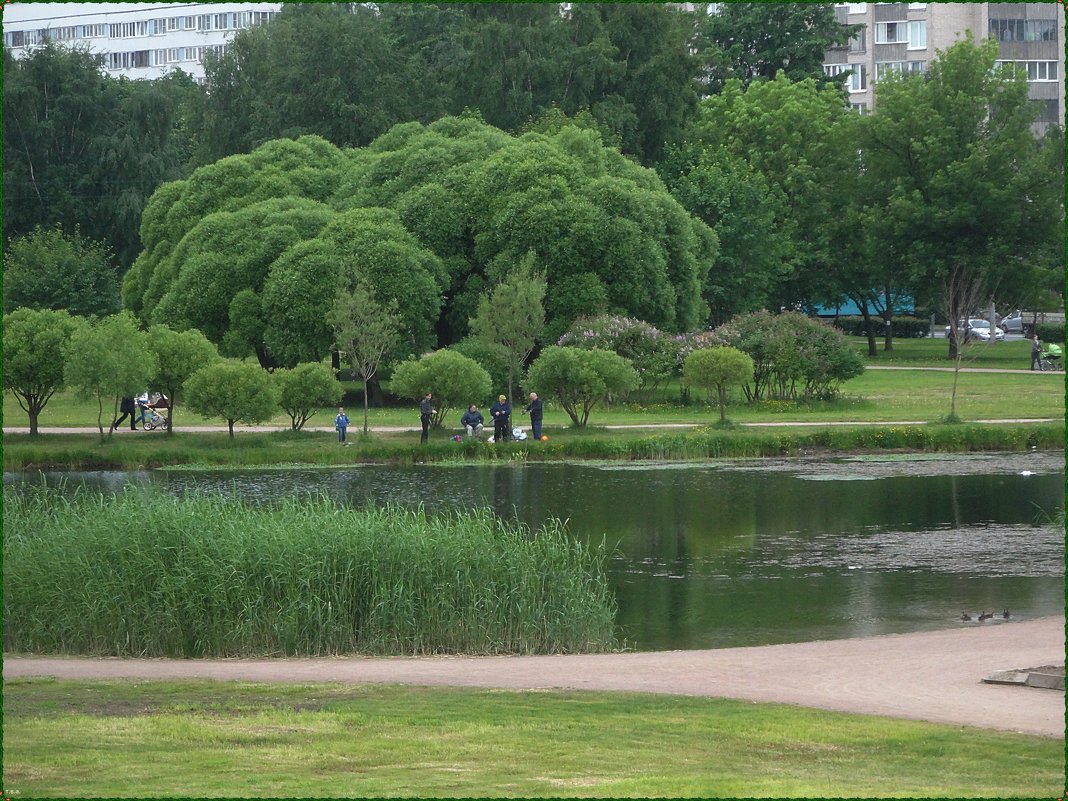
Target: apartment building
{"points": [[905, 37], [136, 40]]}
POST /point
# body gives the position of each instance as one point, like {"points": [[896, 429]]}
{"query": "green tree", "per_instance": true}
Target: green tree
{"points": [[35, 352], [236, 391], [580, 379], [755, 41], [178, 354], [364, 332], [717, 370], [109, 359], [455, 380], [513, 316], [87, 150], [305, 389], [958, 178], [801, 139], [46, 269]]}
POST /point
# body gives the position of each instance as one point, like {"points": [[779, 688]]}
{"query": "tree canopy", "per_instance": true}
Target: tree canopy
{"points": [[253, 249]]}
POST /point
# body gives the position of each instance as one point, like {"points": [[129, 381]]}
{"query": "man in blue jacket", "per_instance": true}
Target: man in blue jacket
{"points": [[534, 409], [501, 412], [472, 421]]}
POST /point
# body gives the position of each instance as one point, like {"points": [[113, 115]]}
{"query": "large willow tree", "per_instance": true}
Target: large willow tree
{"points": [[254, 249]]}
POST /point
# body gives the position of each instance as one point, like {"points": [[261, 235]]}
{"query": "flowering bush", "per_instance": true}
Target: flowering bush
{"points": [[650, 352]]}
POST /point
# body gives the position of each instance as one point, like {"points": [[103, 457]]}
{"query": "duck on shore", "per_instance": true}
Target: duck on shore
{"points": [[965, 616], [984, 616]]}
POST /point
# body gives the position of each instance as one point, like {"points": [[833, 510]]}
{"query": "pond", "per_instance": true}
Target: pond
{"points": [[744, 552]]}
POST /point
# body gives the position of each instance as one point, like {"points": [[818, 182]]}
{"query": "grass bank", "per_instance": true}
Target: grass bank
{"points": [[84, 451], [202, 738], [145, 575], [875, 396]]}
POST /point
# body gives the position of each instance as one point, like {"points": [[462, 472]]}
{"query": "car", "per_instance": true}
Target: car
{"points": [[1012, 323], [979, 329]]}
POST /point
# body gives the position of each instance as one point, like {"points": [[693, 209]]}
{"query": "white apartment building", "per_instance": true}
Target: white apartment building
{"points": [[136, 40], [905, 37]]}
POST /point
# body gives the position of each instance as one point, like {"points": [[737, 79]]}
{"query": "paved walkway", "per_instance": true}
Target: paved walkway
{"points": [[933, 676], [637, 426]]}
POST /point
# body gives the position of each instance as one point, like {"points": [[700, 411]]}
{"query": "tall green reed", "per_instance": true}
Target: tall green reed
{"points": [[141, 574]]}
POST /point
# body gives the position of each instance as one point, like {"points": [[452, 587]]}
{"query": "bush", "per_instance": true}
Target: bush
{"points": [[1050, 332], [304, 389], [794, 356], [651, 353], [580, 379], [455, 381]]}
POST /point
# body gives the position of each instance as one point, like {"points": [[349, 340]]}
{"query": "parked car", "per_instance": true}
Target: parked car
{"points": [[1012, 323], [977, 328]]}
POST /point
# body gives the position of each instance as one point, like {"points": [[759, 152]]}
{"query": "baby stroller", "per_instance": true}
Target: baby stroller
{"points": [[154, 413], [1052, 358]]}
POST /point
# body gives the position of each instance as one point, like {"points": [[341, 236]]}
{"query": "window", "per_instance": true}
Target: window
{"points": [[174, 23], [95, 31], [884, 68], [220, 22], [857, 81], [172, 55], [1048, 111], [204, 22], [1018, 30], [891, 32], [860, 108], [858, 43], [190, 23], [913, 67], [858, 8], [1036, 71], [918, 35]]}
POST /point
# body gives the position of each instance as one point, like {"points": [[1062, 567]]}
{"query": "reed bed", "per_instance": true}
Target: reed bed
{"points": [[140, 574], [262, 449]]}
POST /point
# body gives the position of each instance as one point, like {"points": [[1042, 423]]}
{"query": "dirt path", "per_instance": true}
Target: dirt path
{"points": [[934, 676]]}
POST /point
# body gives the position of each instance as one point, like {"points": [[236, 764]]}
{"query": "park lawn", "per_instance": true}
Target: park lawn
{"points": [[1009, 355], [203, 738], [875, 396]]}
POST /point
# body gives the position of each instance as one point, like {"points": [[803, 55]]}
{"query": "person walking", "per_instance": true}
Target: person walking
{"points": [[472, 421], [426, 411], [534, 409], [341, 422], [501, 412], [127, 407], [1036, 353]]}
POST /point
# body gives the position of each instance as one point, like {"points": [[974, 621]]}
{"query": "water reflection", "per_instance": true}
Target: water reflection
{"points": [[744, 553]]}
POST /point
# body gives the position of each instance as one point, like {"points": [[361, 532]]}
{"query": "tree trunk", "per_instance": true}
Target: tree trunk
{"points": [[33, 421], [100, 417], [722, 404], [365, 406], [230, 423], [865, 312], [888, 341]]}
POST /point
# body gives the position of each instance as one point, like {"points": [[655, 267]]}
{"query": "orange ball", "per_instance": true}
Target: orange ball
{"points": [[544, 438]]}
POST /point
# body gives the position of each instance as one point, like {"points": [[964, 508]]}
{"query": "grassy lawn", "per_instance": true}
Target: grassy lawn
{"points": [[1010, 355], [875, 396], [200, 738]]}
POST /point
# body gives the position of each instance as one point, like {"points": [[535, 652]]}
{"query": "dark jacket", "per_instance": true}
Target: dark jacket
{"points": [[501, 409], [127, 406], [534, 407], [426, 408], [472, 419]]}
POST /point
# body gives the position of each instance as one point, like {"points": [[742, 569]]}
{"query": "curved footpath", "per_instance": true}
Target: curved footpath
{"points": [[933, 676]]}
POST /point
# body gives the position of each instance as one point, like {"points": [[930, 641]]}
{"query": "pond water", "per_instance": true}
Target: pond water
{"points": [[744, 552]]}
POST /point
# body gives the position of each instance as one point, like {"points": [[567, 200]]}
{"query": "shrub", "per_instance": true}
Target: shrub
{"points": [[794, 356], [233, 390], [304, 389], [580, 379], [1050, 332], [651, 353], [455, 380], [717, 369]]}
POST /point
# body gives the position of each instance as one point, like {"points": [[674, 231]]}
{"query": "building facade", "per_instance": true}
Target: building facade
{"points": [[136, 40], [905, 37]]}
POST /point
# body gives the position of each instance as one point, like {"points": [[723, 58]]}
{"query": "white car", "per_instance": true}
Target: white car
{"points": [[978, 328]]}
